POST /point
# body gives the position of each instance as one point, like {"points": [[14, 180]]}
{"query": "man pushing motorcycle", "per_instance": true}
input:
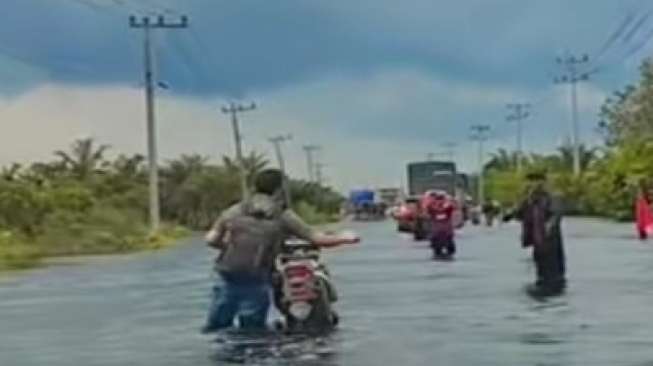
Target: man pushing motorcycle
{"points": [[440, 211], [249, 236]]}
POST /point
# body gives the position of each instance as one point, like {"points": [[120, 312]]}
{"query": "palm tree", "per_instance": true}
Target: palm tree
{"points": [[84, 157], [128, 166], [11, 172], [566, 156], [179, 170], [502, 159], [252, 163]]}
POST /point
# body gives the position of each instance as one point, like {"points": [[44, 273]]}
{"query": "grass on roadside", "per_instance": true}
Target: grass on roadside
{"points": [[103, 230]]}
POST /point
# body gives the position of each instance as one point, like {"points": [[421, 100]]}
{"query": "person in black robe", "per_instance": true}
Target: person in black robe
{"points": [[540, 214]]}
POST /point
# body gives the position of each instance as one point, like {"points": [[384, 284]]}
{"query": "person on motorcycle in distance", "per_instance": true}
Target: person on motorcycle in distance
{"points": [[440, 211], [249, 235]]}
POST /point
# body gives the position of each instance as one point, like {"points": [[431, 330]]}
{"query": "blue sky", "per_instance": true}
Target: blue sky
{"points": [[377, 82]]}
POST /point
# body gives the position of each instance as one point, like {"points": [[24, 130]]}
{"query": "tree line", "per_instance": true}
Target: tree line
{"points": [[82, 202], [611, 173]]}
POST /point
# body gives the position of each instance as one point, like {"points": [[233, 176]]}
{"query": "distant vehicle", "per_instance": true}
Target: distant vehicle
{"points": [[406, 214], [432, 175], [390, 196], [441, 176], [363, 205]]}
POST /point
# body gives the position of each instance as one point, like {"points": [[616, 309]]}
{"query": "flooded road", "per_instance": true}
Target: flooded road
{"points": [[397, 306]]}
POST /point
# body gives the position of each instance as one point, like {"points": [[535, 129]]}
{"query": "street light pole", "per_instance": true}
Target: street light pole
{"points": [[480, 135]]}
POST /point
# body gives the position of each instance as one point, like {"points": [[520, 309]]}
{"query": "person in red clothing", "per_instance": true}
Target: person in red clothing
{"points": [[643, 215], [440, 210]]}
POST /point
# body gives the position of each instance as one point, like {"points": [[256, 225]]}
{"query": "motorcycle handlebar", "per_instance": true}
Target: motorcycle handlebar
{"points": [[300, 244]]}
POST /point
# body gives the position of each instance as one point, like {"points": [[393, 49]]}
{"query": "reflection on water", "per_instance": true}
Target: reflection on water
{"points": [[397, 307]]}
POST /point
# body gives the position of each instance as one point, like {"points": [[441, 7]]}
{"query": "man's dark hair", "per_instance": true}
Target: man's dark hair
{"points": [[268, 181]]}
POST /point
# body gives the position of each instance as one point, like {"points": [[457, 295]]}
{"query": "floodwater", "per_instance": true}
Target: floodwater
{"points": [[397, 306]]}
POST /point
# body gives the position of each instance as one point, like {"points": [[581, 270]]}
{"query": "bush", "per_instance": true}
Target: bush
{"points": [[15, 253], [81, 203], [311, 215], [103, 230]]}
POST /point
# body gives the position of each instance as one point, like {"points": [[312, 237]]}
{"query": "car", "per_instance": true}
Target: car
{"points": [[406, 213]]}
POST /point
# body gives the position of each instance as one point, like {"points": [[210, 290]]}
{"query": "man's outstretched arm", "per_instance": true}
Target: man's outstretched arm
{"points": [[297, 227]]}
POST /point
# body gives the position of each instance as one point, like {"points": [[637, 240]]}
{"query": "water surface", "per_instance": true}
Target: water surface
{"points": [[397, 306]]}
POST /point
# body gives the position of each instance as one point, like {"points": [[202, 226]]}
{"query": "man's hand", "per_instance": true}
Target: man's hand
{"points": [[218, 235], [350, 236], [211, 236]]}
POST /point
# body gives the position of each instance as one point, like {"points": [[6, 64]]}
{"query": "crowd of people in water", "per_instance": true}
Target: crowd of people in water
{"points": [[251, 234]]}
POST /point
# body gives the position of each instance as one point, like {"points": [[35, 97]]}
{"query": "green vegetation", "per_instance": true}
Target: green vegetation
{"points": [[82, 203], [611, 172]]}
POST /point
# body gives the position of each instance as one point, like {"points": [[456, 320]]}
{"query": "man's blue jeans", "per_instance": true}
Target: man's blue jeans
{"points": [[246, 297]]}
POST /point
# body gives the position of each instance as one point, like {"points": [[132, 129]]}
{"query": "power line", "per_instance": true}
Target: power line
{"points": [[615, 36], [640, 45], [277, 141], [233, 110], [148, 25], [573, 73], [519, 112], [480, 134], [641, 21]]}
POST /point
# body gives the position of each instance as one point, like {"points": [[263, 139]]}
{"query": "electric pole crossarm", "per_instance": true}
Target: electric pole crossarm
{"points": [[159, 22]]}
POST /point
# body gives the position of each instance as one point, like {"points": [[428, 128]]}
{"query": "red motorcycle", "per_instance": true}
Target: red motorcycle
{"points": [[306, 295]]}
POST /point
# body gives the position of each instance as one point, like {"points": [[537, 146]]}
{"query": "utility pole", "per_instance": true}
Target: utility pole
{"points": [[277, 141], [233, 109], [520, 111], [480, 135], [319, 170], [148, 24], [309, 150], [573, 74], [319, 179]]}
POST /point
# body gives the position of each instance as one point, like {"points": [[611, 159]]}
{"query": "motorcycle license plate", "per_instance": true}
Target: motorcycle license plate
{"points": [[441, 217], [300, 309]]}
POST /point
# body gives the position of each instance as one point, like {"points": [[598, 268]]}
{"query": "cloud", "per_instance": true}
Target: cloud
{"points": [[237, 47], [369, 127]]}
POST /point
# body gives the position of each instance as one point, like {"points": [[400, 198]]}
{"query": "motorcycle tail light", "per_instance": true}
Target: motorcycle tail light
{"points": [[298, 271]]}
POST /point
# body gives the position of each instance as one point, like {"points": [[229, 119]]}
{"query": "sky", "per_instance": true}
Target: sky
{"points": [[376, 83]]}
